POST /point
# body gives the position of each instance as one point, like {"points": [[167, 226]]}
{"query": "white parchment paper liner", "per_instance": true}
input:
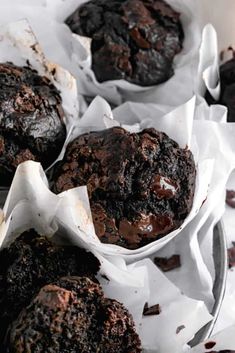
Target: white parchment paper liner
{"points": [[117, 91], [31, 204], [19, 45], [208, 70]]}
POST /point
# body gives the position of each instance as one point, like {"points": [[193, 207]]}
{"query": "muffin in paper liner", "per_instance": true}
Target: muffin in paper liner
{"points": [[30, 204], [20, 47], [118, 91], [179, 126]]}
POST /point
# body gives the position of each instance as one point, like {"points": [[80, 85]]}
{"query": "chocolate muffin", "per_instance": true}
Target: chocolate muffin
{"points": [[74, 316], [31, 262], [227, 95], [140, 185], [31, 119], [135, 40]]}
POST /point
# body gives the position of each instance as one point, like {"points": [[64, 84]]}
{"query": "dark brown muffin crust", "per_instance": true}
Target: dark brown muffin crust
{"points": [[31, 262], [73, 315], [31, 119], [227, 95], [135, 40], [140, 185]]}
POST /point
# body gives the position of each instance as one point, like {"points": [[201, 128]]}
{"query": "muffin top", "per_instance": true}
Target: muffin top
{"points": [[31, 119], [135, 40], [31, 262], [140, 185], [73, 315]]}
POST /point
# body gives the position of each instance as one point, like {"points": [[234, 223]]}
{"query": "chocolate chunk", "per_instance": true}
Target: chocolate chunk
{"points": [[168, 264], [140, 185], [152, 310], [31, 120], [31, 262], [179, 328], [72, 315], [231, 256], [230, 198], [210, 344], [135, 40]]}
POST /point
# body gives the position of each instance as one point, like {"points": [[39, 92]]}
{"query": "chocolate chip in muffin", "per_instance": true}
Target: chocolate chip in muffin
{"points": [[72, 315], [135, 40], [31, 119], [140, 185]]}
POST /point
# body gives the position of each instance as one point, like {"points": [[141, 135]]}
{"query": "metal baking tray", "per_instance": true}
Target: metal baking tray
{"points": [[221, 266]]}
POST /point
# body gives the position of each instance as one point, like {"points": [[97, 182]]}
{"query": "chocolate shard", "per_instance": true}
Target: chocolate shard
{"points": [[230, 198], [210, 344], [135, 40], [231, 257], [168, 264], [152, 310], [179, 328]]}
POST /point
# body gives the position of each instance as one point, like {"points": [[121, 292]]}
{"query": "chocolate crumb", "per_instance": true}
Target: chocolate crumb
{"points": [[168, 264], [230, 198], [210, 344], [180, 328], [152, 310], [231, 256]]}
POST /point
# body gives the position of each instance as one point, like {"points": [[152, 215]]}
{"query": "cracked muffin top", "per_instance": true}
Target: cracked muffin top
{"points": [[135, 40], [140, 185], [72, 315], [31, 262], [31, 119]]}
